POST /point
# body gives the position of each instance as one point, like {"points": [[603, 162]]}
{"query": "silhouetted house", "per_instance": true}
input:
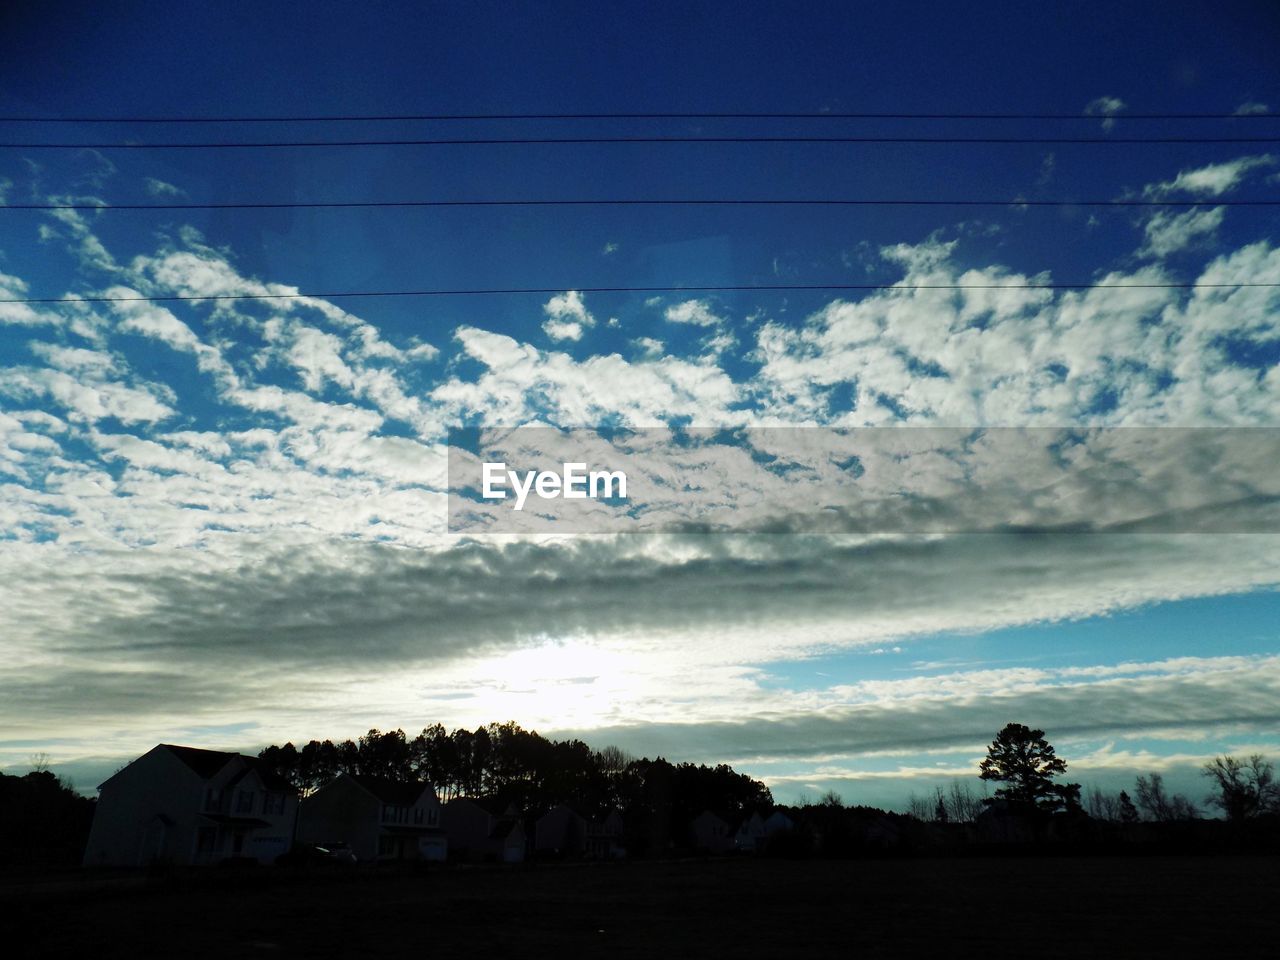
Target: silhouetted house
{"points": [[1000, 822], [189, 806], [378, 819], [564, 831], [604, 838], [710, 834], [778, 822], [750, 835], [881, 833], [484, 828]]}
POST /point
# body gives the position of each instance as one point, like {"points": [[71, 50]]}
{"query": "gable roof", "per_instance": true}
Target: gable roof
{"points": [[492, 805], [569, 808], [270, 779], [711, 816], [206, 764], [504, 828], [203, 763], [402, 793]]}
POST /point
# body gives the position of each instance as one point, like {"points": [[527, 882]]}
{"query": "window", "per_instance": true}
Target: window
{"points": [[418, 813], [206, 839], [212, 798], [433, 816], [388, 813], [386, 846], [272, 804], [244, 801]]}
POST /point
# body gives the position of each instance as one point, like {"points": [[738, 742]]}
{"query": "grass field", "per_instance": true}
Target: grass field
{"points": [[1100, 907]]}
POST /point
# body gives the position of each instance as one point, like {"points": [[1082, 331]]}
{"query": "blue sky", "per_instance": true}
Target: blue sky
{"points": [[226, 521]]}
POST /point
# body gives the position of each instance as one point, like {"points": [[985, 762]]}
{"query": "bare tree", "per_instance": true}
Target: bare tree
{"points": [[919, 807], [1102, 805], [963, 802], [613, 760], [1157, 805], [832, 799], [1244, 788]]}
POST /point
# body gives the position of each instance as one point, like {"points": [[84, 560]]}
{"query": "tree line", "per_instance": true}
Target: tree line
{"points": [[43, 821], [1027, 767], [522, 767]]}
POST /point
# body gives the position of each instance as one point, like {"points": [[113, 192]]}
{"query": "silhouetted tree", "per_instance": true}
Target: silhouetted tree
{"points": [[387, 755], [1127, 811], [917, 806], [1021, 758], [43, 822], [1103, 805], [1160, 806], [522, 767], [963, 803], [1243, 788]]}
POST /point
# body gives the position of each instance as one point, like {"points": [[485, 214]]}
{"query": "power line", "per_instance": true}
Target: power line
{"points": [[530, 141], [713, 288], [637, 202], [412, 117]]}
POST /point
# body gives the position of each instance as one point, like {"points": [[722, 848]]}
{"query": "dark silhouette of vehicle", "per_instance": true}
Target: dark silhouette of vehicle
{"points": [[321, 855]]}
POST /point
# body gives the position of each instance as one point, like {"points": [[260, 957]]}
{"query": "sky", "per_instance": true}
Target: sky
{"points": [[223, 523]]}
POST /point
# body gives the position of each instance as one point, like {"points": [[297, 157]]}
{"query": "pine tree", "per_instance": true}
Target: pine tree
{"points": [[1022, 759]]}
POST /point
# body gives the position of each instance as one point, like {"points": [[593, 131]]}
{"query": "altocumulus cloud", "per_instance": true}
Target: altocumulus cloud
{"points": [[286, 557]]}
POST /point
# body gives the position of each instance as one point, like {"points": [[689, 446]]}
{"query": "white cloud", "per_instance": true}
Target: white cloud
{"points": [[562, 329], [1170, 232], [91, 363], [649, 346], [20, 314], [567, 316], [522, 384], [1107, 107], [266, 531], [86, 400], [1251, 108], [160, 189], [696, 312], [1210, 181], [718, 343], [1022, 356]]}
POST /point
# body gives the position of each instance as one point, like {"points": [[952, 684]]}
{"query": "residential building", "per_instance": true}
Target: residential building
{"points": [[185, 805], [710, 834], [565, 831], [377, 818], [750, 836], [484, 828]]}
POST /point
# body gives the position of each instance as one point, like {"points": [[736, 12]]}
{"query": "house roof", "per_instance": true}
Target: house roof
{"points": [[402, 793], [573, 810], [493, 805], [204, 763], [270, 779], [503, 829]]}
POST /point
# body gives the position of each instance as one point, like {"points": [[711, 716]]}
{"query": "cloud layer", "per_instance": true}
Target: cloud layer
{"points": [[232, 508]]}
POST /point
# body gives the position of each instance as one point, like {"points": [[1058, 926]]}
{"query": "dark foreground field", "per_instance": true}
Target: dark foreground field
{"points": [[1112, 907]]}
